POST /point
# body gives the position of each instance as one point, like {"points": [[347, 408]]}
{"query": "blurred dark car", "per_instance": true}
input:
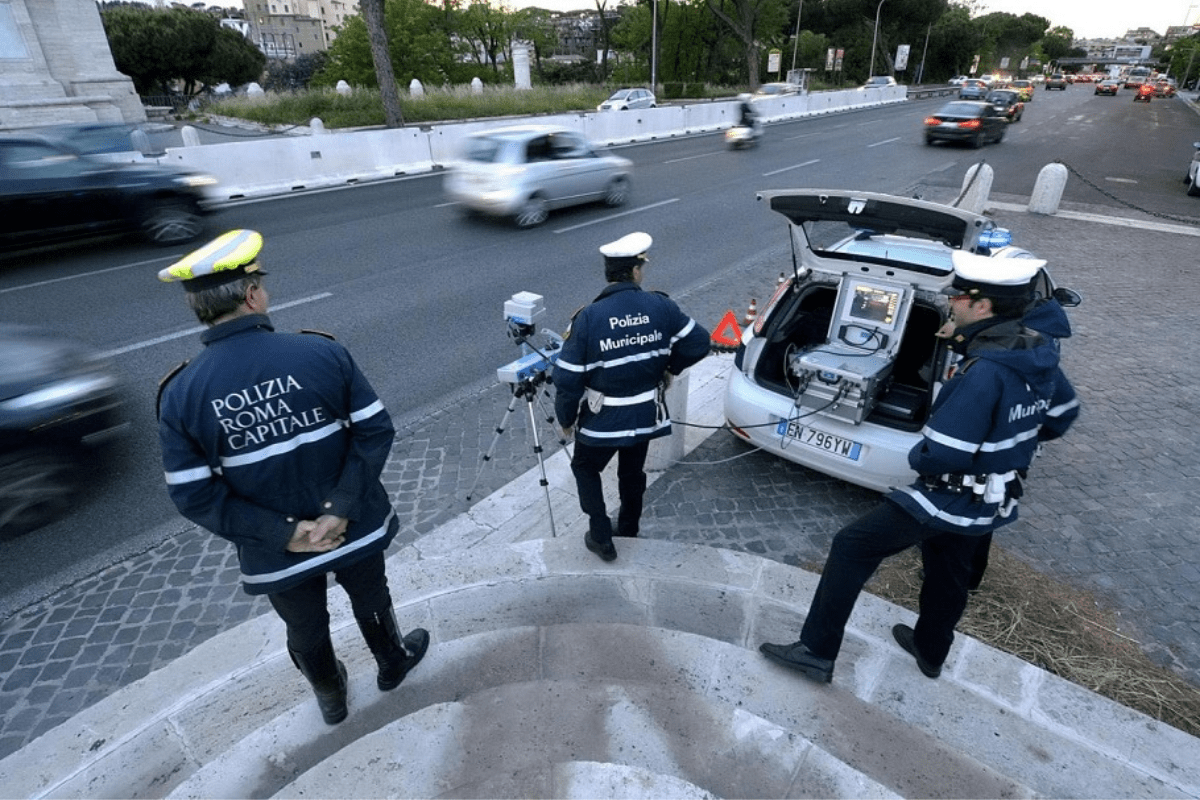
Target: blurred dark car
{"points": [[59, 404], [1008, 102], [49, 191], [966, 121], [1109, 87]]}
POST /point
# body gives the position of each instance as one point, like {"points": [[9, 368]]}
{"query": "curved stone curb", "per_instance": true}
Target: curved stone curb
{"points": [[1053, 737]]}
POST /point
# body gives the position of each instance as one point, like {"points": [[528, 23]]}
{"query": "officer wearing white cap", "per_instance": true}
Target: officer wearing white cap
{"points": [[1007, 395], [276, 442], [609, 381]]}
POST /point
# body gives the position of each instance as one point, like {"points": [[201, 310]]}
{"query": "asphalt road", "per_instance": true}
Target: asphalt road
{"points": [[416, 291]]}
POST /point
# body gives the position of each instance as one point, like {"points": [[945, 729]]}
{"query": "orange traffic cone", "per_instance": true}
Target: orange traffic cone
{"points": [[751, 313]]}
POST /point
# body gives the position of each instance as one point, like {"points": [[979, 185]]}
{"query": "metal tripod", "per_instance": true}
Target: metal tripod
{"points": [[528, 389]]}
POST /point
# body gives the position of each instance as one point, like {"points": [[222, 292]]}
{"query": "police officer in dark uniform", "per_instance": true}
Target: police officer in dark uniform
{"points": [[610, 378], [276, 442], [1008, 395]]}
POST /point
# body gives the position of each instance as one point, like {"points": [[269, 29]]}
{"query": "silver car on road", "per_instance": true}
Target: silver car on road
{"points": [[524, 172]]}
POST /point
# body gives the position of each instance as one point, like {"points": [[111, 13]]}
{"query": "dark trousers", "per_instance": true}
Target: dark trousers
{"points": [[587, 463], [856, 553], [303, 607]]}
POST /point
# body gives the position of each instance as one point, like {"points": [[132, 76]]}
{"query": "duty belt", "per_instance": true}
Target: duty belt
{"points": [[989, 488]]}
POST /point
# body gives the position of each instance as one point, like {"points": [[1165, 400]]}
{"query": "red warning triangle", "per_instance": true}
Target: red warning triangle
{"points": [[727, 333]]}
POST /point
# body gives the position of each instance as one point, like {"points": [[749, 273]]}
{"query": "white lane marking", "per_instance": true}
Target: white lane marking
{"points": [[199, 328], [885, 141], [803, 136], [1121, 180], [637, 210], [36, 284], [689, 158], [794, 166]]}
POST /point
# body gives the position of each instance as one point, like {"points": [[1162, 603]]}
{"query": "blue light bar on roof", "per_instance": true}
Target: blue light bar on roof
{"points": [[995, 237]]}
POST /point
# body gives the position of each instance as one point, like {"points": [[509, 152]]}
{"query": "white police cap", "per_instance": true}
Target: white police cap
{"points": [[976, 275], [628, 251], [227, 258]]}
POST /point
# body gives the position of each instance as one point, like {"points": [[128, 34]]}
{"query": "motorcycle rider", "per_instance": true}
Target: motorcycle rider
{"points": [[748, 116]]}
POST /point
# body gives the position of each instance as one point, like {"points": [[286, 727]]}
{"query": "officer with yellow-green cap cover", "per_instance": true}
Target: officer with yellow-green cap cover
{"points": [[276, 442]]}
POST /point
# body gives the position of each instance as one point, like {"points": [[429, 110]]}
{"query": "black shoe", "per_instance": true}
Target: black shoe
{"points": [[798, 657], [327, 676], [904, 637], [394, 656], [605, 550], [415, 645]]}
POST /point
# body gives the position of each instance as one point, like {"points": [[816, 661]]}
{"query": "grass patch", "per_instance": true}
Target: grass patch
{"points": [[363, 107]]}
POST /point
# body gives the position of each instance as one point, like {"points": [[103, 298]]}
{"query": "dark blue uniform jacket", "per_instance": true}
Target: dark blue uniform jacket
{"points": [[263, 429], [1009, 396], [620, 346]]}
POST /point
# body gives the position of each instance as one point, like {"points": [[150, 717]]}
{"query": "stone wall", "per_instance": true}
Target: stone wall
{"points": [[56, 67]]}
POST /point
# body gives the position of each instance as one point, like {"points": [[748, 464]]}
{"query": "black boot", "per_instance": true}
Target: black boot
{"points": [[394, 655], [328, 678]]}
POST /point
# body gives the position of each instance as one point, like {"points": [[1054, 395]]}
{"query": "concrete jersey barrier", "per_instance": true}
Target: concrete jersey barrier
{"points": [[284, 164]]}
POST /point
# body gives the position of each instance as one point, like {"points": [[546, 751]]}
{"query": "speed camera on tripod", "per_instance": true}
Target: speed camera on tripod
{"points": [[522, 312]]}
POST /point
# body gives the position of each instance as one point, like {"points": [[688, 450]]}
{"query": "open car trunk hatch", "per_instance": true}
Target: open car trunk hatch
{"points": [[878, 214]]}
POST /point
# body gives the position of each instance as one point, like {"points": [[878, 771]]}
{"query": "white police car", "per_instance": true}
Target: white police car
{"points": [[841, 367]]}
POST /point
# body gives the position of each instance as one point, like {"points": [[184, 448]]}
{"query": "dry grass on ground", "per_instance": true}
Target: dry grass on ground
{"points": [[1060, 629]]}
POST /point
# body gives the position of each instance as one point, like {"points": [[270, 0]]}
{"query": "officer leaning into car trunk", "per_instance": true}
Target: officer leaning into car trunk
{"points": [[276, 442], [611, 375], [1008, 395]]}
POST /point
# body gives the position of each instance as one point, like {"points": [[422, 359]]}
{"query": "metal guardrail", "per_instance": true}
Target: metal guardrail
{"points": [[922, 92]]}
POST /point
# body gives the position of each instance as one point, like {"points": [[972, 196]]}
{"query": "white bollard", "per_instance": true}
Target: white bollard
{"points": [[317, 126], [1048, 191], [476, 86], [979, 179], [667, 450], [140, 141], [416, 89], [343, 88], [191, 136]]}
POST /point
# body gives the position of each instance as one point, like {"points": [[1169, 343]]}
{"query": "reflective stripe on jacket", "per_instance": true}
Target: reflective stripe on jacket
{"points": [[264, 429], [988, 419], [620, 346]]}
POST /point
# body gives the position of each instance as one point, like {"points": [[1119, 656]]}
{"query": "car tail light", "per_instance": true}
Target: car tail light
{"points": [[969, 123], [932, 121]]}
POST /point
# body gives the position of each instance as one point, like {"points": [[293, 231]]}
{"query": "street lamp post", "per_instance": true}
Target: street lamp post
{"points": [[874, 37]]}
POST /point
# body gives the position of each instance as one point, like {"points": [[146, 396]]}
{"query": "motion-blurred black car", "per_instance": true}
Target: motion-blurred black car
{"points": [[1008, 102], [50, 191], [966, 121], [59, 404]]}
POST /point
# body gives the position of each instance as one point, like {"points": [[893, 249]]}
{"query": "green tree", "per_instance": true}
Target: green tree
{"points": [[535, 26], [485, 33], [157, 47], [1056, 43], [751, 21], [418, 46], [1184, 62]]}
